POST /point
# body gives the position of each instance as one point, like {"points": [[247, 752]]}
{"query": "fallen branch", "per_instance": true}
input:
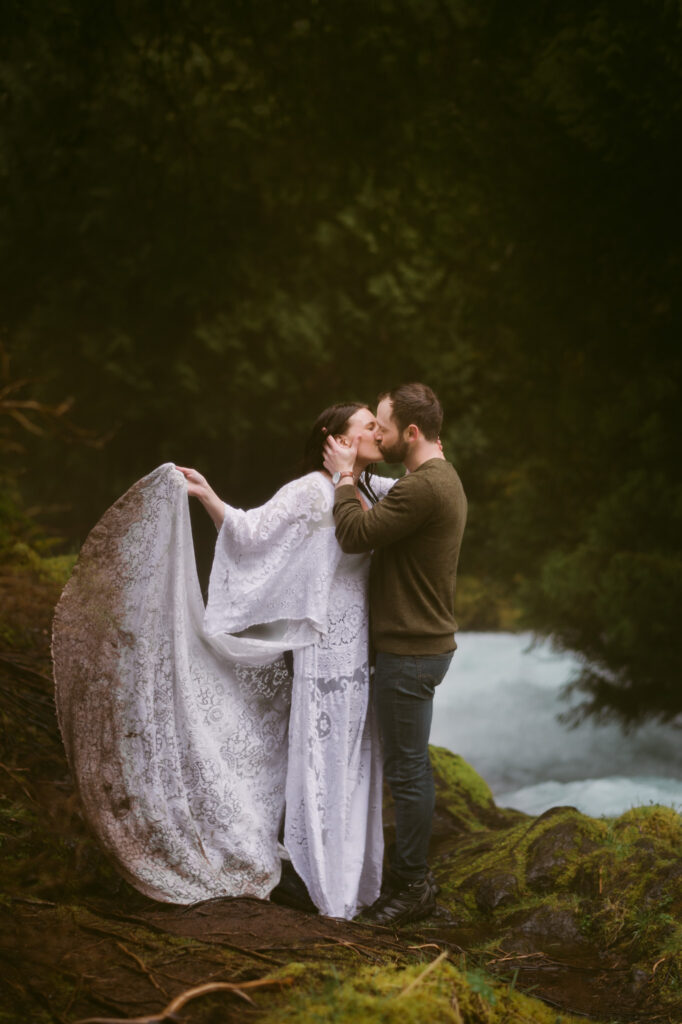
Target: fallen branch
{"points": [[519, 956], [177, 1004], [365, 951], [545, 962], [247, 952], [380, 941], [143, 967]]}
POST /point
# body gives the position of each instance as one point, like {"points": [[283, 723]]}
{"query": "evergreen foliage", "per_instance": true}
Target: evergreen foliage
{"points": [[219, 218]]}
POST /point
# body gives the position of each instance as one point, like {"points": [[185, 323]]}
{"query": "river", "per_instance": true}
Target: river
{"points": [[498, 708]]}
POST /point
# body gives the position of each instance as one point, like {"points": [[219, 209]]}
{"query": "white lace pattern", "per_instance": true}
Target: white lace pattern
{"points": [[182, 727]]}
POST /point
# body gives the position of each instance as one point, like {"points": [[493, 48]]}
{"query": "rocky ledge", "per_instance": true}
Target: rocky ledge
{"points": [[588, 910]]}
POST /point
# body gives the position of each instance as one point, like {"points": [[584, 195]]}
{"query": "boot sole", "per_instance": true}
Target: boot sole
{"points": [[407, 917]]}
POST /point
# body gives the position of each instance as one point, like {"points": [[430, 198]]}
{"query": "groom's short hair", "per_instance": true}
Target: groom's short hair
{"points": [[416, 403]]}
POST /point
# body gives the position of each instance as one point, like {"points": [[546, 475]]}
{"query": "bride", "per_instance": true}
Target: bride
{"points": [[188, 737]]}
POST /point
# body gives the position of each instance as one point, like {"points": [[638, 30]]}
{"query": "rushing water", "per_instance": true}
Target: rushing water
{"points": [[498, 708]]}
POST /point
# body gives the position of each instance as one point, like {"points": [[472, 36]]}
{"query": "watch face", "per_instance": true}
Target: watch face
{"points": [[336, 477]]}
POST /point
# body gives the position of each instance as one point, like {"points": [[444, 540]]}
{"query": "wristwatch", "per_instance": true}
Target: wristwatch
{"points": [[339, 476]]}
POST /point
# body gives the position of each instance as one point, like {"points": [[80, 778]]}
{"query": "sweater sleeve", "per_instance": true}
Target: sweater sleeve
{"points": [[402, 511]]}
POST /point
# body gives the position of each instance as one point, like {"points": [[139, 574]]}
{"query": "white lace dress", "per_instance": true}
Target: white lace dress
{"points": [[183, 729]]}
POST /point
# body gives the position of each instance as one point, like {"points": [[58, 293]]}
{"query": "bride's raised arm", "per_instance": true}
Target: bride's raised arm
{"points": [[262, 553], [199, 487]]}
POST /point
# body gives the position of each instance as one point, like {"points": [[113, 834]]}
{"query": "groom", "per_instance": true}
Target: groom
{"points": [[414, 534]]}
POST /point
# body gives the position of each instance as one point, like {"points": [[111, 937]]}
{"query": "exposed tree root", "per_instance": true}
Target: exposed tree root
{"points": [[170, 1011]]}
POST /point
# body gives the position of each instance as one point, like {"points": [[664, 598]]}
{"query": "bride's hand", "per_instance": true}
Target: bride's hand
{"points": [[197, 485]]}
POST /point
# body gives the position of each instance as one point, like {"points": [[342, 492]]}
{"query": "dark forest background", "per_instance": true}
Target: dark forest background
{"points": [[218, 217]]}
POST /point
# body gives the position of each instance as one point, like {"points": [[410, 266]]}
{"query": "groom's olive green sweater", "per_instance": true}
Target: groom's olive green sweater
{"points": [[414, 535]]}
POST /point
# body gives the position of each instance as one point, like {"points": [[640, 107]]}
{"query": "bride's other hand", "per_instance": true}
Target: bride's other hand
{"points": [[199, 487]]}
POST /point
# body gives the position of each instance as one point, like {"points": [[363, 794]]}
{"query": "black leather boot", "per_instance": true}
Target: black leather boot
{"points": [[410, 902]]}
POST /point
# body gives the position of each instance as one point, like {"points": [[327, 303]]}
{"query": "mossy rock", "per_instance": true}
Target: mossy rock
{"points": [[563, 884], [494, 889], [464, 801]]}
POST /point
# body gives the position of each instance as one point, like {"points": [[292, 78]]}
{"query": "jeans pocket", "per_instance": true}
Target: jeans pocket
{"points": [[431, 669]]}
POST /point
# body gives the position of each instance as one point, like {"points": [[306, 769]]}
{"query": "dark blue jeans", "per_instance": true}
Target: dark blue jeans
{"points": [[403, 694]]}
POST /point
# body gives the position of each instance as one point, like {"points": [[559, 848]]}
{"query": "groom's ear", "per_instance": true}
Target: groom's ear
{"points": [[412, 433]]}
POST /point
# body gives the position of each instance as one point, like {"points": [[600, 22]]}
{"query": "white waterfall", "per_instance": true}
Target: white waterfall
{"points": [[498, 708]]}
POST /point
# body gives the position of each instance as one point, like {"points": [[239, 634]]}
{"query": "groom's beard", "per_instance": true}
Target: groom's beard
{"points": [[396, 453]]}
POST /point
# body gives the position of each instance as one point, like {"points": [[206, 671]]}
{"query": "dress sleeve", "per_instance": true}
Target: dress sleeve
{"points": [[381, 485], [272, 566]]}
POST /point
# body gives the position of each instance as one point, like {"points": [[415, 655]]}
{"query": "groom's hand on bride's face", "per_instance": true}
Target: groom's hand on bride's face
{"points": [[339, 457]]}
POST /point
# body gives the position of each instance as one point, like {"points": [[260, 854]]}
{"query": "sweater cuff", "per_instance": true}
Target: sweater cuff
{"points": [[344, 492]]}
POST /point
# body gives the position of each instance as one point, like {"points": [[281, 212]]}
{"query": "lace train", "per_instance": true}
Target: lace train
{"points": [[183, 728]]}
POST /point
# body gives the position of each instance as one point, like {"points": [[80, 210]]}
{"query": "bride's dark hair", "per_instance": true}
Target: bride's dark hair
{"points": [[332, 421]]}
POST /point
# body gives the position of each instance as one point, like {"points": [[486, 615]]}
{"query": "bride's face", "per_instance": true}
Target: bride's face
{"points": [[363, 424]]}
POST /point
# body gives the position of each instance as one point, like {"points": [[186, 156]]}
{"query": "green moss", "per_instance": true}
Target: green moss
{"points": [[563, 879], [460, 790], [410, 995], [662, 823], [529, 857], [666, 974], [24, 543], [456, 774], [51, 568]]}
